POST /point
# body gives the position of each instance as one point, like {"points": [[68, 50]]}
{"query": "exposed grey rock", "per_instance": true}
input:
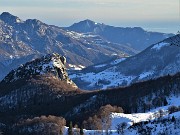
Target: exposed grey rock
{"points": [[53, 64]]}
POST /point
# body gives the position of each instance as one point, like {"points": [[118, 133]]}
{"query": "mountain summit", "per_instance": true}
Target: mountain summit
{"points": [[135, 37], [9, 18], [87, 26], [52, 64]]}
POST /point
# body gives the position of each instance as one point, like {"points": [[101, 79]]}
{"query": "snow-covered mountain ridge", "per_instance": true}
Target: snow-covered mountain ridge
{"points": [[157, 60]]}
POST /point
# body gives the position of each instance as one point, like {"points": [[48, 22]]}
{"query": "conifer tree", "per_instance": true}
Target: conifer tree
{"points": [[81, 131], [70, 129], [173, 119], [165, 102]]}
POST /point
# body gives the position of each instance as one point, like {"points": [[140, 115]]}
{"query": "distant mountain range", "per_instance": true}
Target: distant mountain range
{"points": [[134, 37], [22, 41], [159, 59]]}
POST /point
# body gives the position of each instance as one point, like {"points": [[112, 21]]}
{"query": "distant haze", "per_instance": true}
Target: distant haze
{"points": [[153, 15]]}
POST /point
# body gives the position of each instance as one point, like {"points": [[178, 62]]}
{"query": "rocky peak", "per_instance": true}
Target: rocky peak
{"points": [[87, 23], [52, 64], [9, 18], [33, 22]]}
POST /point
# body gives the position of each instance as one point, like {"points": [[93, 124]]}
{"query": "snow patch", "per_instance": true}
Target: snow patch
{"points": [[11, 57], [159, 46], [18, 20], [76, 67], [117, 61], [129, 118], [99, 66], [146, 74]]}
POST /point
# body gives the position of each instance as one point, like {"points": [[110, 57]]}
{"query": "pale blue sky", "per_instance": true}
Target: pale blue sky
{"points": [[154, 15]]}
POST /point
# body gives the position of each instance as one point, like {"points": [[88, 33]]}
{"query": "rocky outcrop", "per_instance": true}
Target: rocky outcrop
{"points": [[52, 64]]}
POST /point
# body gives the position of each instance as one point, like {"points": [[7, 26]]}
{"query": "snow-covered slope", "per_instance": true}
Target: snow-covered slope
{"points": [[133, 118], [157, 60], [163, 125], [155, 122], [158, 120]]}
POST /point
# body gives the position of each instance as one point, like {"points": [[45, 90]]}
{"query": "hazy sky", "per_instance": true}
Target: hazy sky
{"points": [[154, 15]]}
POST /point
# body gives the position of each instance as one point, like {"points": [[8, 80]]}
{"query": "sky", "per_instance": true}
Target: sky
{"points": [[152, 15]]}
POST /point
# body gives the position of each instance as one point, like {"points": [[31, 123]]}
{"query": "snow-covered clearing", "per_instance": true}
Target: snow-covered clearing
{"points": [[107, 78]]}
